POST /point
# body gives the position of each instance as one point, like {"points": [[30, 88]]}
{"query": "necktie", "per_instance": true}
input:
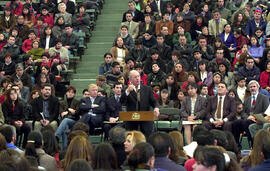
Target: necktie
{"points": [[217, 28], [253, 104], [138, 94], [117, 99], [219, 108]]}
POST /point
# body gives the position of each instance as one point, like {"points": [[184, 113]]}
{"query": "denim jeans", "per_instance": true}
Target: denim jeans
{"points": [[65, 125]]}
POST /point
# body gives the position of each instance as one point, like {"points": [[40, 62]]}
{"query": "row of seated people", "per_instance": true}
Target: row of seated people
{"points": [[38, 17]]}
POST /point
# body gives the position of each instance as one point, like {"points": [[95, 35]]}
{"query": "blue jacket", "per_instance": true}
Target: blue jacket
{"points": [[251, 26], [230, 40], [264, 166]]}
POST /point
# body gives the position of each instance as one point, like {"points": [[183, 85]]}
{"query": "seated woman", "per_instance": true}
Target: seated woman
{"points": [[260, 36], [36, 51], [255, 49], [244, 49], [13, 111], [228, 38], [7, 21], [142, 157], [197, 27], [265, 77], [47, 39], [178, 155], [69, 112], [181, 95], [228, 77], [219, 44], [171, 85], [67, 16], [164, 101], [29, 19], [119, 51], [192, 77], [193, 108], [59, 28], [212, 89], [205, 76]]}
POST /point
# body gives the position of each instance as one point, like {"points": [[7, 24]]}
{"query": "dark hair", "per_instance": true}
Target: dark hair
{"points": [[232, 145], [50, 143], [221, 138], [8, 99], [161, 142], [140, 155], [115, 63], [108, 53], [222, 82], [257, 44], [160, 35], [194, 85], [176, 53], [102, 161], [115, 84], [81, 126], [7, 132], [71, 88], [84, 90], [34, 141], [79, 165], [117, 135], [124, 26], [210, 156]]}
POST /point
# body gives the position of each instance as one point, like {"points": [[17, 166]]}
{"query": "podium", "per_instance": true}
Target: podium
{"points": [[137, 116]]}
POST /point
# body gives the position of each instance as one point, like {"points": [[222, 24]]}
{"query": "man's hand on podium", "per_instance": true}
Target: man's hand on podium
{"points": [[156, 112]]}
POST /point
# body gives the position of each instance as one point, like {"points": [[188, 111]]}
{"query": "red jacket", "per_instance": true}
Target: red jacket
{"points": [[2, 44], [241, 40], [264, 79], [47, 19], [18, 10]]}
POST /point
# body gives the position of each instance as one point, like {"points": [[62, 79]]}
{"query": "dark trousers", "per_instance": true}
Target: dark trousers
{"points": [[227, 126], [239, 126], [25, 130], [92, 121], [146, 127]]}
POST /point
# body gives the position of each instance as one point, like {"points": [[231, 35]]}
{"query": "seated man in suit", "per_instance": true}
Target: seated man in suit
{"points": [[133, 27], [193, 108], [139, 97], [221, 110], [45, 108], [113, 108], [93, 108], [255, 104]]}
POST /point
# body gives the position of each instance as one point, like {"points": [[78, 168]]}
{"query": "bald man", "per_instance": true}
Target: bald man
{"points": [[139, 97]]}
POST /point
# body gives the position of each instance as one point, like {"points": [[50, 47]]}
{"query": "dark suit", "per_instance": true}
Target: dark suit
{"points": [[199, 108], [241, 125], [112, 110], [147, 100], [96, 119], [142, 28], [229, 112]]}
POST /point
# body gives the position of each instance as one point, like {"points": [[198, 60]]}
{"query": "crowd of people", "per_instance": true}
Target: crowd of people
{"points": [[209, 59]]}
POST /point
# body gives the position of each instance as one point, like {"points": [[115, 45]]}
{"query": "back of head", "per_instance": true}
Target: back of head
{"points": [[75, 133], [220, 137], [7, 132], [210, 157], [3, 142], [102, 161], [117, 135], [204, 137], [79, 165], [50, 142], [34, 141], [79, 148], [161, 142], [81, 126], [140, 155]]}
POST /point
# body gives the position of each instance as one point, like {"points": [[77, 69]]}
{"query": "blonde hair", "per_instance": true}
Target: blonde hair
{"points": [[90, 86], [136, 137], [62, 5]]}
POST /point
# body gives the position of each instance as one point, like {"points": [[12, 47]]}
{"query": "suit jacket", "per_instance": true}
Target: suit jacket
{"points": [[229, 108], [133, 29], [112, 108], [199, 108], [75, 104], [86, 105], [230, 40], [147, 99], [37, 107], [142, 28], [212, 26], [262, 102], [25, 93]]}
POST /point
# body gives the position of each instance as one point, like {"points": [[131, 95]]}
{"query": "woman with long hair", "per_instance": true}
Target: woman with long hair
{"points": [[244, 49], [164, 100], [239, 21], [47, 39], [255, 49], [34, 148], [180, 74], [228, 76], [171, 85], [205, 76], [133, 138], [79, 148], [104, 157], [142, 157], [13, 111], [179, 156], [59, 27], [8, 20], [29, 19], [119, 51]]}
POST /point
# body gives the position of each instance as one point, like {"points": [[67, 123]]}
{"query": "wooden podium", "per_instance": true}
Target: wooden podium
{"points": [[137, 116]]}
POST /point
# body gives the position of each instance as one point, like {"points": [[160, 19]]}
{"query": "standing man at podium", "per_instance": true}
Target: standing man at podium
{"points": [[139, 97]]}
